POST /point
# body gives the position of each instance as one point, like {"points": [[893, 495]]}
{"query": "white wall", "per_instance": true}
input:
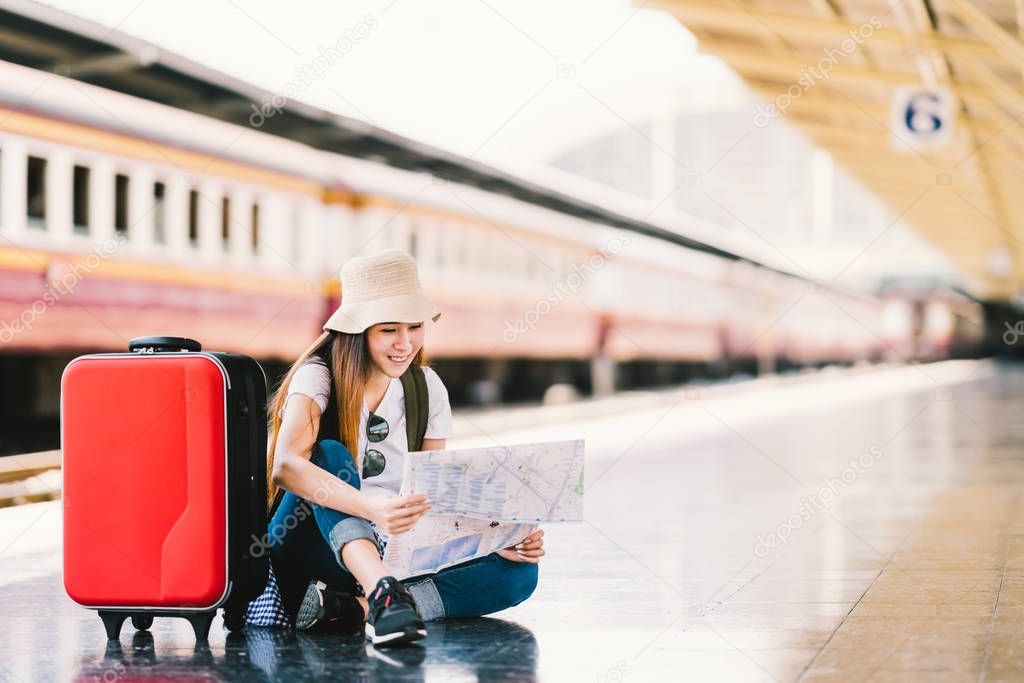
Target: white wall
{"points": [[13, 165]]}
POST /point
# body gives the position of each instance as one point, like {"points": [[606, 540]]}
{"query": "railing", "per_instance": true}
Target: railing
{"points": [[29, 478]]}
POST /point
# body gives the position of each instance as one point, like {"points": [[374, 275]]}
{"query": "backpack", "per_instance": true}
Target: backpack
{"points": [[417, 405], [417, 410]]}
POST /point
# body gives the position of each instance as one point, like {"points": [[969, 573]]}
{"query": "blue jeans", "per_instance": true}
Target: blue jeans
{"points": [[306, 541]]}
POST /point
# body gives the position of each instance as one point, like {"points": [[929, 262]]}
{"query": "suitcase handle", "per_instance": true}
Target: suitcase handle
{"points": [[158, 344]]}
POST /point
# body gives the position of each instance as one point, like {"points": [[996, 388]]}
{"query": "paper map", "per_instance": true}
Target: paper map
{"points": [[485, 499]]}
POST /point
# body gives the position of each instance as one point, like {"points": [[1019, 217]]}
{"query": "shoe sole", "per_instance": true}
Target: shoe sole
{"points": [[311, 610], [407, 635]]}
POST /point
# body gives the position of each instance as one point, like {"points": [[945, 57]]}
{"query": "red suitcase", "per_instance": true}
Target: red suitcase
{"points": [[164, 467]]}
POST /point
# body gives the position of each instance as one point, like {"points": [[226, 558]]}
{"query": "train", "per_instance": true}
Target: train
{"points": [[121, 217]]}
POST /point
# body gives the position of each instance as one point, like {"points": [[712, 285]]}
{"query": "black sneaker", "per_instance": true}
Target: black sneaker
{"points": [[393, 618], [322, 607]]}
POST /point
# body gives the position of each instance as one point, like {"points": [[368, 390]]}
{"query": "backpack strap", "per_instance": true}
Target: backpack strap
{"points": [[417, 406]]}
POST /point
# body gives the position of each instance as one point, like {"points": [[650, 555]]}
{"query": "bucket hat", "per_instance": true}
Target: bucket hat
{"points": [[379, 288]]}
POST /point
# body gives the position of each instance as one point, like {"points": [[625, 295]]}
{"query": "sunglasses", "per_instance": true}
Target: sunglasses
{"points": [[376, 431]]}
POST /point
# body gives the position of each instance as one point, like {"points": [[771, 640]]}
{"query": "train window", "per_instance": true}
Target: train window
{"points": [[296, 236], [121, 203], [255, 234], [423, 243], [36, 190], [80, 199], [481, 254], [444, 249], [159, 212], [455, 247], [225, 221], [193, 217], [500, 267]]}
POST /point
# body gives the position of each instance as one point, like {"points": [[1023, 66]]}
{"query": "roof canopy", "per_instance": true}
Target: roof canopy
{"points": [[839, 69]]}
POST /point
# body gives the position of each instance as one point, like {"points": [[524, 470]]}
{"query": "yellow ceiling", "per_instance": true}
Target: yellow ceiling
{"points": [[966, 196]]}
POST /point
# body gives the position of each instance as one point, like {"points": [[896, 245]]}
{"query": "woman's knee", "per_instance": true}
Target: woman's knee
{"points": [[333, 456], [521, 581]]}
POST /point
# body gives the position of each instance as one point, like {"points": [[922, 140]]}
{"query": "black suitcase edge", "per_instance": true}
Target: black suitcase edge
{"points": [[248, 570], [248, 556]]}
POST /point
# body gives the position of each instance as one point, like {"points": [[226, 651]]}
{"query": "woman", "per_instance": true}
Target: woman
{"points": [[343, 397]]}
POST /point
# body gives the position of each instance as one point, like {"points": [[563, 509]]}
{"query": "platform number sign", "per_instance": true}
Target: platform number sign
{"points": [[922, 117]]}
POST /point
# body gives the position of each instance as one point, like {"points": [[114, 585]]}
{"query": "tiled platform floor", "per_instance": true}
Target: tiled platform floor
{"points": [[905, 565]]}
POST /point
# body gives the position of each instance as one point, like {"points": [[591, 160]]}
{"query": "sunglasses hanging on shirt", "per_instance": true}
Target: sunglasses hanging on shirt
{"points": [[376, 431]]}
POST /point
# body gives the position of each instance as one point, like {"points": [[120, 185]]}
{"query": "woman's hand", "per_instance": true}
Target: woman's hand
{"points": [[395, 514], [530, 549]]}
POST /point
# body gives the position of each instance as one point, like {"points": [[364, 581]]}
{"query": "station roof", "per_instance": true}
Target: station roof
{"points": [[48, 39], [834, 67]]}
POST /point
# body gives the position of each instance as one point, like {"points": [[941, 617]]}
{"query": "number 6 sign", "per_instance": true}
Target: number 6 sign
{"points": [[921, 117]]}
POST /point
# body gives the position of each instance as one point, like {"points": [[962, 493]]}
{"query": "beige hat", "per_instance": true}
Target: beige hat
{"points": [[380, 288]]}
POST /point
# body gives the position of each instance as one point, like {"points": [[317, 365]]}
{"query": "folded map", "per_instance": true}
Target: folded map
{"points": [[485, 499]]}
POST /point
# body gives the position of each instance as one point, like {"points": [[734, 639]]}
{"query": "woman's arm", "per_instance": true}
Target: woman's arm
{"points": [[293, 471], [432, 445]]}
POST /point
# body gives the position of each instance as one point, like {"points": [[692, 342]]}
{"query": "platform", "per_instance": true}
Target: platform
{"points": [[853, 526]]}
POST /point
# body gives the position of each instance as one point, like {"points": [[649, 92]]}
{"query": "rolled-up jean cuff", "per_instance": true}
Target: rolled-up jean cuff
{"points": [[428, 600], [347, 530]]}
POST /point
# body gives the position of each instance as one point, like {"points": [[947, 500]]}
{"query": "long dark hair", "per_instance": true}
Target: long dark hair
{"points": [[347, 357]]}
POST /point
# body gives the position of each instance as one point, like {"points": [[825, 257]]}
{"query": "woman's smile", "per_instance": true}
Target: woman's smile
{"points": [[393, 346]]}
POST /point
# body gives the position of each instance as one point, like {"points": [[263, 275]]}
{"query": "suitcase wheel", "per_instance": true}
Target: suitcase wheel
{"points": [[112, 623], [142, 622], [201, 624]]}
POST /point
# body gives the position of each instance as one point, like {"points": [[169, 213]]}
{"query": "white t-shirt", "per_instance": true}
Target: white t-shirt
{"points": [[314, 380]]}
